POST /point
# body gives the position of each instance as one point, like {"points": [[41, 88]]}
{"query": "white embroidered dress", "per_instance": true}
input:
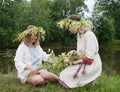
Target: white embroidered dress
{"points": [[88, 44], [28, 56]]}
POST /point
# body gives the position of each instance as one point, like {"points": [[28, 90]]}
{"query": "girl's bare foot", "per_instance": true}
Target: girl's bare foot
{"points": [[94, 82]]}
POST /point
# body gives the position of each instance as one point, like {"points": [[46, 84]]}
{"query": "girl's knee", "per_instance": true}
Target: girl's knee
{"points": [[36, 80], [39, 80]]}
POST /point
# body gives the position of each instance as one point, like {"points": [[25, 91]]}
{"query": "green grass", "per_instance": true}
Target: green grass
{"points": [[113, 43], [9, 83]]}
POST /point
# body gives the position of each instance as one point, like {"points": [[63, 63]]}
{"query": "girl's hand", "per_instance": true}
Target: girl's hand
{"points": [[72, 52], [32, 69], [77, 62]]}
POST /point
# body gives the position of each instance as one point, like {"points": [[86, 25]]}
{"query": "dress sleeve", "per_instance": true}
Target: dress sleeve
{"points": [[19, 59], [45, 56], [91, 45]]}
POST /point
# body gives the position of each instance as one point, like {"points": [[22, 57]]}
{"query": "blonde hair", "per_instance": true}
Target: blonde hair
{"points": [[32, 31], [75, 25], [85, 26], [26, 39]]}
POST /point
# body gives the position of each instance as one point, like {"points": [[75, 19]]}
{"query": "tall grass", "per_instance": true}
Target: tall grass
{"points": [[107, 83]]}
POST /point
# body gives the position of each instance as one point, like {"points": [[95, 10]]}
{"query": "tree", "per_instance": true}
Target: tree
{"points": [[110, 9], [16, 15], [59, 10], [104, 29], [10, 20]]}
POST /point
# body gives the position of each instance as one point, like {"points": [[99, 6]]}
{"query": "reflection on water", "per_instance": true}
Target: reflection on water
{"points": [[110, 59], [109, 56]]}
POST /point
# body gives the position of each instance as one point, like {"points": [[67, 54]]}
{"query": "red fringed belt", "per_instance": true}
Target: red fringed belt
{"points": [[86, 61]]}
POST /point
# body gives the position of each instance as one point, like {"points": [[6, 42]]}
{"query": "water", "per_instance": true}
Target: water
{"points": [[109, 55], [110, 59]]}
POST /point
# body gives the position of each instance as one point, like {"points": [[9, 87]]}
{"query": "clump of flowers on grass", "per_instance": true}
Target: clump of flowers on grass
{"points": [[58, 63]]}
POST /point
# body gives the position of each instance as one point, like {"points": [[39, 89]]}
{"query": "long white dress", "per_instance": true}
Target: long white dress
{"points": [[88, 44]]}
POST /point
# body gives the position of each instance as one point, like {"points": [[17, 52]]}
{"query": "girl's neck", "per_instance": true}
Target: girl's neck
{"points": [[32, 45]]}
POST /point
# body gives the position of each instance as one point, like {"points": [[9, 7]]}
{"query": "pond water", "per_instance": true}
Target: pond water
{"points": [[109, 55]]}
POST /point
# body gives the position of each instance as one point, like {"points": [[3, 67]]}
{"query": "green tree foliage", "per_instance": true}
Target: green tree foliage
{"points": [[104, 29], [59, 10], [16, 15], [76, 6], [110, 9], [64, 8], [10, 20], [40, 16], [40, 13]]}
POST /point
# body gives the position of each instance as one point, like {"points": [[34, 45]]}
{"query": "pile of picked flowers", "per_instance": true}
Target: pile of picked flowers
{"points": [[60, 62]]}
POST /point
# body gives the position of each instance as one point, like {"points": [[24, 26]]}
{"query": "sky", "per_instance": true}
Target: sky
{"points": [[90, 4]]}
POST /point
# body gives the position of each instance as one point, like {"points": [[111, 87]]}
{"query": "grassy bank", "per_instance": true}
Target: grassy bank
{"points": [[114, 43], [107, 83], [9, 83]]}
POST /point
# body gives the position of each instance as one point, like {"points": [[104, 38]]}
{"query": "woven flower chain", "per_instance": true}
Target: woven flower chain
{"points": [[32, 31], [64, 23]]}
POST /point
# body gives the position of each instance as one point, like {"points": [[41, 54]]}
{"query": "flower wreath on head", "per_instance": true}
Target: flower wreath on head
{"points": [[64, 23], [84, 23], [32, 30], [76, 25]]}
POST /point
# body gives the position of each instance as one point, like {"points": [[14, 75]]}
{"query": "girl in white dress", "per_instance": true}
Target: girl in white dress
{"points": [[29, 57], [89, 68]]}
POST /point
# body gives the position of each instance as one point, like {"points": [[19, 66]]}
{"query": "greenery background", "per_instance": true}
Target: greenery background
{"points": [[16, 15]]}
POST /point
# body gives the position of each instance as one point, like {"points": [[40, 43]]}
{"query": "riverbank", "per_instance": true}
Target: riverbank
{"points": [[57, 45], [107, 83], [114, 43]]}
